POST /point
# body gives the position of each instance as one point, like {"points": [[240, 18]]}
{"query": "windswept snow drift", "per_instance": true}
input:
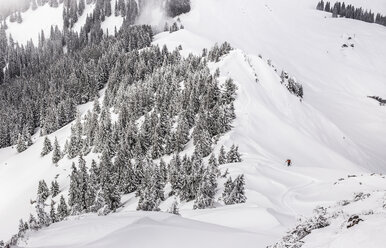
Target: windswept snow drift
{"points": [[145, 230]]}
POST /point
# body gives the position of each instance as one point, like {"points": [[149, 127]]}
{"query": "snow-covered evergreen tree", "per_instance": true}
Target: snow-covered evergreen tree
{"points": [[222, 157], [75, 144], [163, 171], [54, 188], [85, 197], [99, 204], [42, 216], [62, 210], [21, 143], [148, 200], [47, 147], [109, 176], [213, 165], [57, 154], [53, 215], [233, 155], [43, 191], [234, 192], [23, 226], [33, 223], [206, 191], [73, 193], [238, 193]]}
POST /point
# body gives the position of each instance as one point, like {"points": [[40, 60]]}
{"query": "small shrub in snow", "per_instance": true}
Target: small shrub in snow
{"points": [[353, 220], [361, 196], [382, 102], [292, 86], [294, 237]]}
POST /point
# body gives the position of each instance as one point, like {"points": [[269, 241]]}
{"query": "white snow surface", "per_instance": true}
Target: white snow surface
{"points": [[112, 22], [140, 229], [41, 19], [335, 131], [34, 21], [369, 232]]}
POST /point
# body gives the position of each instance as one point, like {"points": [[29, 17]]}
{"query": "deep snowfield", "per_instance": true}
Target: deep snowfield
{"points": [[334, 132], [141, 230]]}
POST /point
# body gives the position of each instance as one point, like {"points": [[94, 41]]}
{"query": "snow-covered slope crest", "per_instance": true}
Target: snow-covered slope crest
{"points": [[139, 229]]}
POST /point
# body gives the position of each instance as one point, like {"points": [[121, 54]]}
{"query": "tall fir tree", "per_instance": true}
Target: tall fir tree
{"points": [[43, 191], [53, 215], [233, 155], [62, 210], [222, 157], [47, 147], [54, 188], [57, 154]]}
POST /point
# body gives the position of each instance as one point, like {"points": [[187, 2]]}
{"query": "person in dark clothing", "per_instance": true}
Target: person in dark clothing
{"points": [[288, 162]]}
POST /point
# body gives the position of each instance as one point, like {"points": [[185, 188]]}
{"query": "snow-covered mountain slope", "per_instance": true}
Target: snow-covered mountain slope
{"points": [[308, 44], [127, 230], [355, 221], [34, 21], [335, 131], [19, 175], [42, 18]]}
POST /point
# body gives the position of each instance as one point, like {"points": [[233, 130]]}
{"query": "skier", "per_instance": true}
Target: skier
{"points": [[288, 162]]}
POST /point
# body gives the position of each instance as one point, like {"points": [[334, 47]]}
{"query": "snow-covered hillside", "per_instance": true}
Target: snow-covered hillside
{"points": [[141, 229], [334, 132], [34, 21], [42, 18], [308, 44], [355, 221]]}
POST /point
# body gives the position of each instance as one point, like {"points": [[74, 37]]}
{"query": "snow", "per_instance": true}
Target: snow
{"points": [[335, 131], [34, 21], [367, 233], [356, 237], [20, 174], [302, 41], [112, 22], [121, 230], [82, 19]]}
